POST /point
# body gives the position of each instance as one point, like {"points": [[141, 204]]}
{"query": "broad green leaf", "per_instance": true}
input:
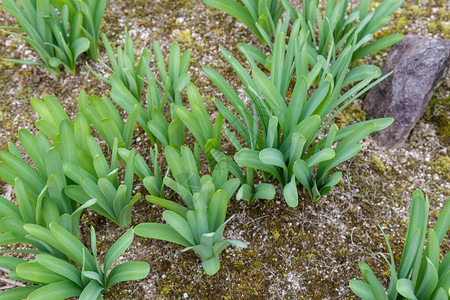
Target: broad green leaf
{"points": [[290, 192], [405, 287], [118, 248], [34, 272], [323, 155], [173, 206], [427, 280], [415, 234], [211, 266], [271, 156], [134, 270], [362, 289], [60, 267], [271, 95], [91, 291], [264, 191], [71, 246], [11, 262], [180, 225], [220, 173], [443, 222], [303, 173], [7, 208], [160, 232], [79, 46], [217, 210], [250, 159], [19, 292], [56, 291], [369, 276]]}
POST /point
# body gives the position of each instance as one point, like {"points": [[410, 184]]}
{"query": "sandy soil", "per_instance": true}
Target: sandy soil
{"points": [[308, 252]]}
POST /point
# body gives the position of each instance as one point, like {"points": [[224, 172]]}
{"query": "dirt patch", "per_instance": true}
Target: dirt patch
{"points": [[308, 252]]}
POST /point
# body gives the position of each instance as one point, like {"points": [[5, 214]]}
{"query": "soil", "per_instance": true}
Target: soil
{"points": [[308, 252]]}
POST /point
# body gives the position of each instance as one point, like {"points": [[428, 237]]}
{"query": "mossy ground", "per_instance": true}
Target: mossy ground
{"points": [[309, 252]]}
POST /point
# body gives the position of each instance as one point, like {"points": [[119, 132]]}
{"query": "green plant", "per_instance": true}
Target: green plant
{"points": [[105, 118], [200, 224], [420, 275], [127, 81], [101, 113], [39, 192], [341, 22], [254, 54], [59, 31], [283, 139], [92, 11], [56, 125], [258, 15], [114, 200], [199, 230], [184, 166], [81, 275], [198, 122], [84, 163], [152, 181], [41, 211]]}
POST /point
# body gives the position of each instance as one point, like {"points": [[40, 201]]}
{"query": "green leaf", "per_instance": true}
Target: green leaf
{"points": [[303, 174], [94, 191], [439, 295], [428, 279], [271, 156], [92, 291], [432, 248], [173, 206], [376, 46], [264, 191], [290, 192], [118, 248], [79, 46], [211, 266], [179, 224], [220, 173], [369, 276], [43, 234], [250, 159], [160, 232], [71, 246], [230, 187], [18, 293], [134, 270], [10, 262], [184, 193], [362, 290], [7, 208], [323, 155], [60, 267], [271, 95], [153, 185], [34, 272], [405, 287], [217, 210], [236, 10], [56, 291], [67, 139], [443, 222], [415, 234]]}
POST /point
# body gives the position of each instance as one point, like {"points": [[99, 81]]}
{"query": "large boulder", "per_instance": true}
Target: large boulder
{"points": [[419, 65]]}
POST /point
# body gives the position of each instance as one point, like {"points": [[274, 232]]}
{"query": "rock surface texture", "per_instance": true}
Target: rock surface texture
{"points": [[419, 65]]}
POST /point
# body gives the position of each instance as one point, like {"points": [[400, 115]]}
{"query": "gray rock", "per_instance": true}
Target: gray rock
{"points": [[419, 65]]}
